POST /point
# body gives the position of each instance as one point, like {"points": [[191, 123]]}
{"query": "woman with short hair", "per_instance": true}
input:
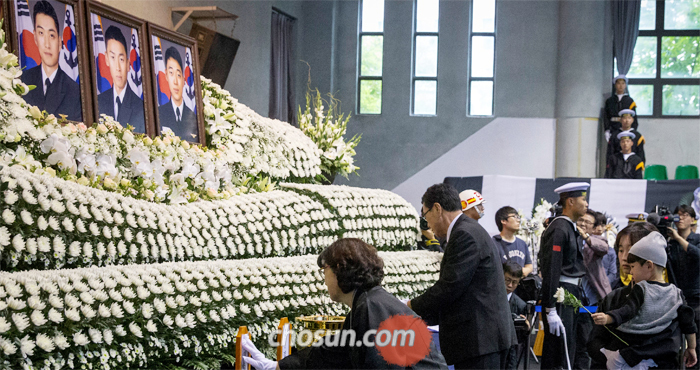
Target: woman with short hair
{"points": [[353, 272]]}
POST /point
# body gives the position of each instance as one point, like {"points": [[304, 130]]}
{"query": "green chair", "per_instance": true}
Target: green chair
{"points": [[687, 172], [655, 172]]}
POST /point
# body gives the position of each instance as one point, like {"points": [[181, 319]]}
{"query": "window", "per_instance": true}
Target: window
{"points": [[664, 79], [426, 15], [482, 52], [370, 57]]}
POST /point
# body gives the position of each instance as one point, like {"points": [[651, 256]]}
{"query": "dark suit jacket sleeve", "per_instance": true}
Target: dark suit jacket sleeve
{"points": [[461, 260]]}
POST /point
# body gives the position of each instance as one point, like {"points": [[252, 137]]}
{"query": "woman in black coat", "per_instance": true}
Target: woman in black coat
{"points": [[352, 272]]}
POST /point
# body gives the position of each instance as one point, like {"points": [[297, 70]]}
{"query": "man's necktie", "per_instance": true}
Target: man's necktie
{"points": [[47, 83], [177, 114], [119, 109]]}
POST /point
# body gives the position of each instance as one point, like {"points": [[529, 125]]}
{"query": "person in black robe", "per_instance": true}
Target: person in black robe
{"points": [[617, 102], [128, 105], [352, 271], [55, 91], [561, 265], [626, 164]]}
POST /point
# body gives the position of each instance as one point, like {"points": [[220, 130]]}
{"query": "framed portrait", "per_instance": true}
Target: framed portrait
{"points": [[49, 38], [119, 67], [177, 90]]}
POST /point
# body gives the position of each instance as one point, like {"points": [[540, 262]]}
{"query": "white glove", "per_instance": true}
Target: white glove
{"points": [[556, 327], [257, 359], [607, 135], [615, 361]]}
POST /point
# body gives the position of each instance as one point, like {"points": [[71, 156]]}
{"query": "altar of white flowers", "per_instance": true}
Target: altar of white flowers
{"points": [[122, 251]]}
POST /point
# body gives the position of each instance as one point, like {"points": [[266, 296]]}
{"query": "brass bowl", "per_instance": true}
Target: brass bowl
{"points": [[322, 322]]}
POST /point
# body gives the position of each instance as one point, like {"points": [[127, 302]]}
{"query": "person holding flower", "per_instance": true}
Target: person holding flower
{"points": [[651, 307], [353, 272], [561, 263]]}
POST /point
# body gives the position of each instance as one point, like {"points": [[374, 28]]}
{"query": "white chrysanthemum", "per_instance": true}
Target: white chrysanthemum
{"points": [[8, 348], [119, 330], [95, 335], [80, 339], [8, 217], [107, 336], [61, 341], [4, 325], [45, 342], [72, 314], [20, 320], [26, 346]]}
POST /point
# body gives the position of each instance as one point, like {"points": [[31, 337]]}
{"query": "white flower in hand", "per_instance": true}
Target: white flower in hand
{"points": [[559, 295]]}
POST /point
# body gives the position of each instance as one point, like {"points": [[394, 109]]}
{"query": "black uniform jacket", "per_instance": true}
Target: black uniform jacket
{"points": [[369, 309], [62, 96], [469, 299], [187, 125], [619, 168], [612, 108], [661, 347], [560, 254], [131, 111]]}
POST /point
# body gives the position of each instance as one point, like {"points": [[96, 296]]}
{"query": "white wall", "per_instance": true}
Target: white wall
{"points": [[506, 146], [671, 142]]}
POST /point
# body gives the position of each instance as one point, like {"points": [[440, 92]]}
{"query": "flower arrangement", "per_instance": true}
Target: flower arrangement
{"points": [[48, 222], [531, 228], [326, 129], [379, 217], [165, 315], [248, 153]]}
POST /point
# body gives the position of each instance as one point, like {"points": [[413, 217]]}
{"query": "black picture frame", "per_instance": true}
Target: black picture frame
{"points": [[122, 20], [165, 111], [62, 98]]}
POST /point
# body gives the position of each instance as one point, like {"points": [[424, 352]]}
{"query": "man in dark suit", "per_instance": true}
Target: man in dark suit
{"points": [[175, 114], [469, 299], [126, 107], [55, 92]]}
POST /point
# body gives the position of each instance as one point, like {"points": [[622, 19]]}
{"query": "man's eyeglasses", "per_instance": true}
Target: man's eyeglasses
{"points": [[517, 217], [512, 281], [423, 214], [586, 222]]}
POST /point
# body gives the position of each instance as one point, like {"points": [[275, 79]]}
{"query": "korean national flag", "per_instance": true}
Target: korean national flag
{"points": [[159, 66], [135, 80], [190, 92], [69, 50], [29, 56], [104, 78]]}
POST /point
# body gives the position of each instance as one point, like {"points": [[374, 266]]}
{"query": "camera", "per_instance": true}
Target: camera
{"points": [[520, 323], [424, 224], [663, 219]]}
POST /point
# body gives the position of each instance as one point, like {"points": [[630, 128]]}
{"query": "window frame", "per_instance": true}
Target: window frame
{"points": [[492, 79], [415, 78], [358, 73], [658, 82]]}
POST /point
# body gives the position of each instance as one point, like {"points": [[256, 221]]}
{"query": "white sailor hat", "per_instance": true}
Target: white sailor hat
{"points": [[628, 134], [627, 111], [619, 77], [637, 217], [572, 189]]}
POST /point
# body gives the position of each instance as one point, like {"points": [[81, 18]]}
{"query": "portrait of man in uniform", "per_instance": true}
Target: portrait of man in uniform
{"points": [[56, 92], [175, 114], [120, 101]]}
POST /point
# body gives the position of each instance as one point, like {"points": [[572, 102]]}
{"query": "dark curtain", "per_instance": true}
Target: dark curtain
{"points": [[281, 71], [625, 18]]}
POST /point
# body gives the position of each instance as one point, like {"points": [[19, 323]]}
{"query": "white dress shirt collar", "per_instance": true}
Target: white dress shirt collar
{"points": [[449, 229], [121, 98], [181, 109], [43, 77]]}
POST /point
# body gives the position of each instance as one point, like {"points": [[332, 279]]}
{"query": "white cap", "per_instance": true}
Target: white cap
{"points": [[619, 77], [651, 248], [627, 111], [572, 187], [637, 217], [628, 134], [470, 198]]}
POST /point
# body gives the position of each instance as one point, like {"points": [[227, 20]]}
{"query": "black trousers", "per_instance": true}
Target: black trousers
{"points": [[583, 333], [494, 360], [697, 342], [553, 351]]}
